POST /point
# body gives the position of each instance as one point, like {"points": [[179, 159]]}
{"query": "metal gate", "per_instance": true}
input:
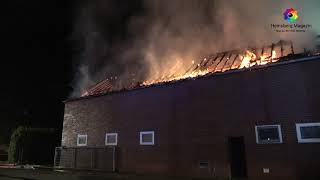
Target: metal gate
{"points": [[97, 158]]}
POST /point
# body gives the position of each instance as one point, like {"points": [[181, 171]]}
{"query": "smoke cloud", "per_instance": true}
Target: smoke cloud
{"points": [[141, 40]]}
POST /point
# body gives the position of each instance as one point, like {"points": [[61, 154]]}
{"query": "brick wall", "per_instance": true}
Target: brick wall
{"points": [[193, 119]]}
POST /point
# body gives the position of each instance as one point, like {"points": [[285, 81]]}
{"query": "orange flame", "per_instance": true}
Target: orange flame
{"points": [[248, 59]]}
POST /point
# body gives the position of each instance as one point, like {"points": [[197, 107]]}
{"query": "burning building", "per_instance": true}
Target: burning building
{"points": [[244, 113]]}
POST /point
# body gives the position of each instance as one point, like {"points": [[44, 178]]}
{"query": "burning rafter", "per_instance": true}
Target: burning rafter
{"points": [[230, 60]]}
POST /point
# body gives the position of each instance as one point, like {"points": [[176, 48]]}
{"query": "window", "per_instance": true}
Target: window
{"points": [[82, 140], [112, 139], [147, 138], [268, 134], [203, 164], [308, 132]]}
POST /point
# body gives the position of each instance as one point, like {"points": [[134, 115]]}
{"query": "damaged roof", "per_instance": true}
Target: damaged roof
{"points": [[225, 62], [100, 88]]}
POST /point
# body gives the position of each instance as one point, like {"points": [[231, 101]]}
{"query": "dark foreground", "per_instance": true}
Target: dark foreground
{"points": [[43, 174]]}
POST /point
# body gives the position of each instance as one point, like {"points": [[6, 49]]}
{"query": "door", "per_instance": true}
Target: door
{"points": [[237, 157]]}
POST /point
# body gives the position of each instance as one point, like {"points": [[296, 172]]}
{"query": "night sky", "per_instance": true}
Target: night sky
{"points": [[36, 66]]}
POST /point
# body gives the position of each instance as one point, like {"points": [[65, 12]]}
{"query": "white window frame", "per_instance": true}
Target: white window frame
{"points": [[146, 132], [81, 136], [111, 144], [274, 125], [309, 140]]}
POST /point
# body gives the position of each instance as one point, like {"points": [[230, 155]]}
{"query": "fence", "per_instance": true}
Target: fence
{"points": [[96, 158], [3, 156], [3, 153]]}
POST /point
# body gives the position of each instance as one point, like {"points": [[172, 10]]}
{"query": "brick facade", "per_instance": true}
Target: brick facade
{"points": [[193, 119]]}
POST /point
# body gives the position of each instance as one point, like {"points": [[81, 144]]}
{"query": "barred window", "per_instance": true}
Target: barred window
{"points": [[112, 139], [82, 140], [268, 134]]}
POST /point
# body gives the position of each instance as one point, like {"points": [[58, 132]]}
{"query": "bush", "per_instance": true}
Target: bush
{"points": [[32, 145]]}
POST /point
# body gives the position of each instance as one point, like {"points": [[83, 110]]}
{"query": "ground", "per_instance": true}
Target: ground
{"points": [[47, 174], [44, 174]]}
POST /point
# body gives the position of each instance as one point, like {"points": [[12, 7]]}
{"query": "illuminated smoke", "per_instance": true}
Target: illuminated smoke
{"points": [[170, 35]]}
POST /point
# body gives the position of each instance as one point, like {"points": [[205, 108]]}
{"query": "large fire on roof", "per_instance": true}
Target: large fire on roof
{"points": [[216, 63]]}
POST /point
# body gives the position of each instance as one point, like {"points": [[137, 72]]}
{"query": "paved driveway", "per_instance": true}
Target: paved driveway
{"points": [[37, 174], [45, 174]]}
